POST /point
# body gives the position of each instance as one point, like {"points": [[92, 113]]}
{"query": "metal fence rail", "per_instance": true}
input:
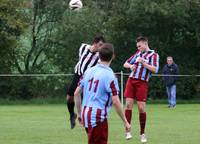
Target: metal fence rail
{"points": [[122, 74]]}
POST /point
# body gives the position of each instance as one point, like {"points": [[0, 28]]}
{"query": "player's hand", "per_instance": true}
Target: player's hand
{"points": [[127, 126], [132, 67], [80, 121], [140, 60]]}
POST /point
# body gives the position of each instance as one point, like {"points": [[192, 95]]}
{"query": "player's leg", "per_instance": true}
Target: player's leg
{"points": [[142, 120], [98, 134], [141, 95], [173, 95], [70, 100], [142, 116], [128, 109], [128, 115], [129, 95], [70, 106]]}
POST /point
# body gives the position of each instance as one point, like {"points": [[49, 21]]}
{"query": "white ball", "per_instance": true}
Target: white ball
{"points": [[75, 4]]}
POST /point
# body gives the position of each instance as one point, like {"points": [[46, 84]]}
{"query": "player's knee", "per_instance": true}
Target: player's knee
{"points": [[129, 105], [141, 109], [70, 98]]}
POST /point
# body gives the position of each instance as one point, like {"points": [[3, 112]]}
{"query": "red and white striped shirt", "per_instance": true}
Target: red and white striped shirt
{"points": [[140, 72]]}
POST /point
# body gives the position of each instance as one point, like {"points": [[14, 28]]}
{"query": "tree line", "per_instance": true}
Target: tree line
{"points": [[43, 36]]}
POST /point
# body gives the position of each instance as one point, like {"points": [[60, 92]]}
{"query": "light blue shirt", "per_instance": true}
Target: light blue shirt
{"points": [[99, 84]]}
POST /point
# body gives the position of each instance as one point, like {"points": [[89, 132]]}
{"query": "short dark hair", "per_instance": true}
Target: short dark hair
{"points": [[98, 39], [106, 52], [141, 38]]}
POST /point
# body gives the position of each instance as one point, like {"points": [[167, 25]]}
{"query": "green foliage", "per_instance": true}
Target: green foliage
{"points": [[43, 36], [76, 28], [12, 25]]}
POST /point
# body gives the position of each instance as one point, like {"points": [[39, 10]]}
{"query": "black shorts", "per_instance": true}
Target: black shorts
{"points": [[73, 85]]}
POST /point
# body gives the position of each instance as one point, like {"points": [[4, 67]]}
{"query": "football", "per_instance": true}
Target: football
{"points": [[75, 4]]}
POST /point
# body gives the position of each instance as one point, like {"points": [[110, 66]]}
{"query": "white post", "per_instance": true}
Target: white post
{"points": [[122, 87]]}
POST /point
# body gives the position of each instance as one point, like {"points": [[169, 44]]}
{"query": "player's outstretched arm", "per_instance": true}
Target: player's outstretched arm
{"points": [[77, 99], [119, 110]]}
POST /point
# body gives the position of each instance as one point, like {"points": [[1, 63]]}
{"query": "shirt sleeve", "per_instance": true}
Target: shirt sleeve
{"points": [[112, 86], [81, 82], [155, 61], [81, 49], [177, 69], [132, 59]]}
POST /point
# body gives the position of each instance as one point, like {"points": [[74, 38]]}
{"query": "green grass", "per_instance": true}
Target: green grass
{"points": [[48, 124]]}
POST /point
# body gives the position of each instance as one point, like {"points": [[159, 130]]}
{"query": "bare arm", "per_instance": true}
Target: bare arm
{"points": [[149, 67], [77, 99], [119, 110], [129, 66]]}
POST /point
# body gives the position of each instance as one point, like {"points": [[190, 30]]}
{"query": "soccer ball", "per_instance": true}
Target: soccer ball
{"points": [[75, 4]]}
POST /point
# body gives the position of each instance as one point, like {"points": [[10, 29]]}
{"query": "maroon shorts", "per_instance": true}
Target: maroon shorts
{"points": [[98, 134], [136, 89]]}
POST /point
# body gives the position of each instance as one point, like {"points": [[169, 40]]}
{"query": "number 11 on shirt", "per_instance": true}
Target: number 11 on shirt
{"points": [[96, 83]]}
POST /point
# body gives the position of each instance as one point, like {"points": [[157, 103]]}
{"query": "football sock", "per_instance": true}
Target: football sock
{"points": [[70, 106], [128, 114], [142, 118]]}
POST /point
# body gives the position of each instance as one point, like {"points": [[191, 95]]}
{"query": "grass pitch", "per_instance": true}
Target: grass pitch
{"points": [[49, 124]]}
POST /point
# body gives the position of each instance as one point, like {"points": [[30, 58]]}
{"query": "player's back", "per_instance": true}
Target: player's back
{"points": [[99, 84], [96, 85]]}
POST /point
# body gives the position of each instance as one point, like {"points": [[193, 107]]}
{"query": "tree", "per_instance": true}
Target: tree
{"points": [[12, 25], [43, 36], [38, 41]]}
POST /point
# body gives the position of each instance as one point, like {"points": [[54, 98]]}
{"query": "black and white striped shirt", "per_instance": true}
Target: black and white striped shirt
{"points": [[87, 59]]}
